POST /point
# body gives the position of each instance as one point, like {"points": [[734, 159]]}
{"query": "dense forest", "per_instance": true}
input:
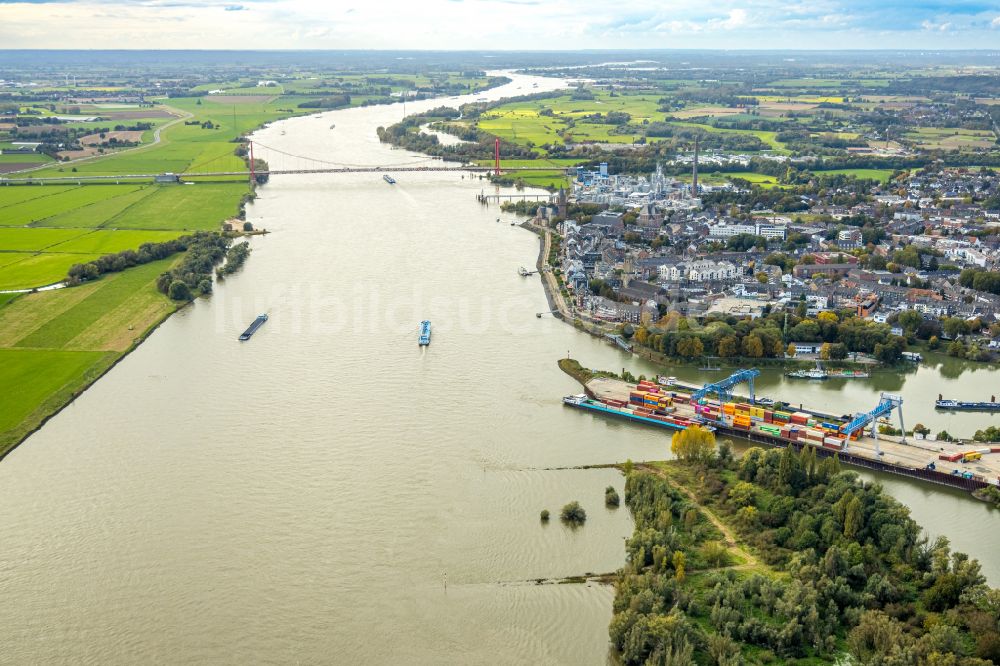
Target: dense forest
{"points": [[825, 569]]}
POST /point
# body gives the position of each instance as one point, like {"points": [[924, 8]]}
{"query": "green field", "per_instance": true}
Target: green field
{"points": [[950, 138], [189, 207], [882, 175], [109, 294], [14, 194], [756, 178], [46, 206], [544, 179], [34, 240], [35, 381], [805, 83], [104, 241], [766, 137], [523, 122], [100, 213], [53, 344], [30, 158], [37, 270]]}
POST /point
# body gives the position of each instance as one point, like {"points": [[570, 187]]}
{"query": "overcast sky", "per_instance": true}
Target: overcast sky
{"points": [[499, 24]]}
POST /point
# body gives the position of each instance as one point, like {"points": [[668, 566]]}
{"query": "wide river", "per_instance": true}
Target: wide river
{"points": [[330, 493]]}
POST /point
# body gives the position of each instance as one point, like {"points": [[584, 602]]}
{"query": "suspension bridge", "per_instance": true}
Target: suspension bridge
{"points": [[279, 163]]}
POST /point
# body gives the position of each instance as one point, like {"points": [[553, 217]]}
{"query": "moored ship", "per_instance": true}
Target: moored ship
{"points": [[967, 406], [656, 417], [814, 373]]}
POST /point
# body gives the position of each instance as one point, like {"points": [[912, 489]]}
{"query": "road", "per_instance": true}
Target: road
{"points": [[181, 116]]}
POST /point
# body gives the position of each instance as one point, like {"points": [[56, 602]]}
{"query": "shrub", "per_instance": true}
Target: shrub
{"points": [[179, 291], [573, 514], [715, 554], [545, 515], [611, 498]]}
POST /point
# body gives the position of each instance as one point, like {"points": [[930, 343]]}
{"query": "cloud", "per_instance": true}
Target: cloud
{"points": [[501, 24], [944, 26]]}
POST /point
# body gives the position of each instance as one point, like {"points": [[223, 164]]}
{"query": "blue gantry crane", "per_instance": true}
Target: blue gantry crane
{"points": [[723, 389], [861, 420]]}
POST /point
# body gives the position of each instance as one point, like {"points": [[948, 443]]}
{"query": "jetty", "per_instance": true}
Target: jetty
{"points": [[619, 341]]}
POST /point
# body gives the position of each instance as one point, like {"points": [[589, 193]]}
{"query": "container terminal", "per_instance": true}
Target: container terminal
{"points": [[853, 438]]}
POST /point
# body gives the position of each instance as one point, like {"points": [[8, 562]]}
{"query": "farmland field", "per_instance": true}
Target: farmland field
{"points": [[766, 137], [202, 206], [110, 293], [523, 122], [100, 213], [36, 270], [805, 83], [29, 158], [37, 210], [105, 241], [756, 178], [37, 377], [872, 174], [34, 240], [54, 343], [553, 179], [10, 195], [951, 138]]}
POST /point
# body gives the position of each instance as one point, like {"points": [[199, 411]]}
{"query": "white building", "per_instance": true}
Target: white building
{"points": [[703, 270], [765, 229]]}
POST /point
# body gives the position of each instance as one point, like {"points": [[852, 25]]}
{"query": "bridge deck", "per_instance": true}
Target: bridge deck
{"points": [[14, 179]]}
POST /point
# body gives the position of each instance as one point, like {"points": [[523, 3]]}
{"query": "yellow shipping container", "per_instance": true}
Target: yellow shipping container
{"points": [[729, 408]]}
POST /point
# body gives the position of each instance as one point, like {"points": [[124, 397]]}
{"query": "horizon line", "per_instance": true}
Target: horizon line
{"points": [[490, 50]]}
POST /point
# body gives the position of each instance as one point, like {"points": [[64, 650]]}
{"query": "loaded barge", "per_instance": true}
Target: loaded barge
{"points": [[852, 438], [257, 323], [425, 333], [653, 417], [964, 406]]}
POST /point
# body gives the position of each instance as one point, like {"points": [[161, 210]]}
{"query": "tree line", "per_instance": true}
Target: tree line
{"points": [[193, 274], [768, 336]]}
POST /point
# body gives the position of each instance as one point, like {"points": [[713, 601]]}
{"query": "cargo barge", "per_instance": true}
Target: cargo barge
{"points": [[621, 409], [257, 323], [827, 435], [425, 333], [964, 406], [803, 429]]}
